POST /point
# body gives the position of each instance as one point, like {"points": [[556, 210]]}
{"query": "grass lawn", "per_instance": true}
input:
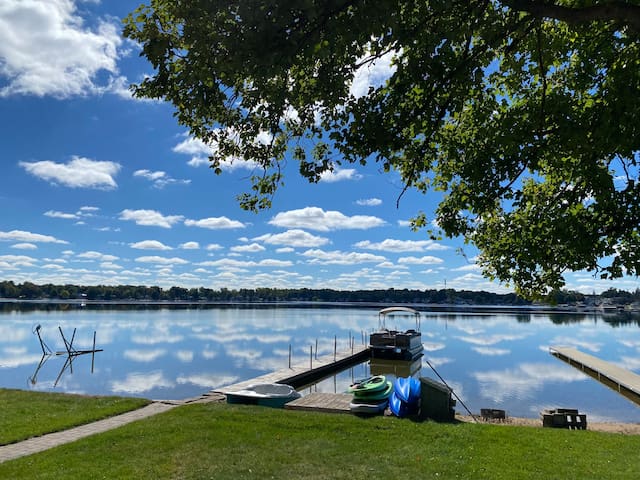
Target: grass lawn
{"points": [[234, 442], [26, 414]]}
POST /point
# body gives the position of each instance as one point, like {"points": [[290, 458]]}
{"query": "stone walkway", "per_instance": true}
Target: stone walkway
{"points": [[50, 440]]}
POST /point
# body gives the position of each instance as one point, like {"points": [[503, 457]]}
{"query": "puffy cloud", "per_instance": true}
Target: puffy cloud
{"points": [[315, 218], [162, 260], [22, 236], [150, 218], [392, 245], [91, 255], [372, 74], [340, 175], [189, 246], [251, 248], [25, 246], [66, 216], [150, 245], [159, 179], [341, 258], [78, 173], [426, 260], [369, 202], [293, 238], [214, 223], [46, 49], [200, 153]]}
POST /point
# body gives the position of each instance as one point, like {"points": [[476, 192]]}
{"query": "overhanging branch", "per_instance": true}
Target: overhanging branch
{"points": [[615, 11]]}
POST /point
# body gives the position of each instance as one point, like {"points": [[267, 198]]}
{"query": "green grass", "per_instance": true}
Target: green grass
{"points": [[235, 442], [26, 414]]}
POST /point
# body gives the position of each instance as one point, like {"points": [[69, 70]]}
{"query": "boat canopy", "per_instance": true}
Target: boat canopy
{"points": [[398, 310]]}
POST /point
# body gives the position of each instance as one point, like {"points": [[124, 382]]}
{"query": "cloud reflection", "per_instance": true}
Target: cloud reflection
{"points": [[491, 351], [144, 356], [136, 383], [207, 380], [524, 380]]}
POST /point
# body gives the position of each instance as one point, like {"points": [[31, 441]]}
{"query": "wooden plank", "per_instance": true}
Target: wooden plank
{"points": [[322, 402], [302, 373], [615, 377]]}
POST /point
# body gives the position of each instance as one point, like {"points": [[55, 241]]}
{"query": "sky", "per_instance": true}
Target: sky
{"points": [[99, 188]]}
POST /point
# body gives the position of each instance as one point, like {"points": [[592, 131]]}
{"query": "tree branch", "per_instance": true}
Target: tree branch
{"points": [[614, 11]]}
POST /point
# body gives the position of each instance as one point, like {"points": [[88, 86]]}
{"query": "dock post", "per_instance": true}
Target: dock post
{"points": [[310, 357], [316, 348], [289, 355], [335, 346]]}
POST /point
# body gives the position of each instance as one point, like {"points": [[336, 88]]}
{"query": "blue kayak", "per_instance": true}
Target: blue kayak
{"points": [[398, 407], [407, 389]]}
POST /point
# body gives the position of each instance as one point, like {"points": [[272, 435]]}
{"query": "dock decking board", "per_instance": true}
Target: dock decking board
{"points": [[303, 373], [617, 378], [322, 402]]}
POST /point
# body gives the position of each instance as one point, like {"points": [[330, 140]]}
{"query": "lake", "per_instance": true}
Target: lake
{"points": [[491, 360]]}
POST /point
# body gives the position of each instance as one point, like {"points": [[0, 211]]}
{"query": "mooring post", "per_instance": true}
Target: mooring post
{"points": [[335, 347], [310, 357], [316, 348], [289, 355], [93, 352]]}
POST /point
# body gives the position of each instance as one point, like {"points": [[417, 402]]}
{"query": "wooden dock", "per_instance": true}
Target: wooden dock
{"points": [[305, 373], [322, 402], [617, 378]]}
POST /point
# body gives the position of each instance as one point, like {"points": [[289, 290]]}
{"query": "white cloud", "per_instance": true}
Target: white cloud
{"points": [[293, 238], [200, 153], [78, 173], [159, 179], [91, 255], [340, 175], [161, 260], [189, 246], [150, 218], [341, 258], [426, 260], [46, 49], [315, 218], [150, 245], [25, 246], [66, 216], [372, 74], [214, 223], [22, 236], [369, 202], [214, 246], [230, 264], [392, 245], [12, 261], [251, 248]]}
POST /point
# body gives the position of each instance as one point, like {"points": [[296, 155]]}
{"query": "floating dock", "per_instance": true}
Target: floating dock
{"points": [[322, 402], [305, 373], [617, 378]]}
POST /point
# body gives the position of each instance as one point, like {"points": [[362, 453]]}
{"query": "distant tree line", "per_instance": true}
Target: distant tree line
{"points": [[31, 291]]}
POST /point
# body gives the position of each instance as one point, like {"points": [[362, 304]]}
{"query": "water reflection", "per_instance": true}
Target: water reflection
{"points": [[493, 360]]}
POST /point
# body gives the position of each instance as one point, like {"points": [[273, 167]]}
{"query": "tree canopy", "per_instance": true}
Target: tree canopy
{"points": [[524, 113]]}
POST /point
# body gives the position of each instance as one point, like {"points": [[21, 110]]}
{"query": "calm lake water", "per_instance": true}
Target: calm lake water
{"points": [[490, 360]]}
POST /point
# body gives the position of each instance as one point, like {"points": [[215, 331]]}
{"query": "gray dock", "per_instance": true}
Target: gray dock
{"points": [[322, 402], [617, 378], [306, 372]]}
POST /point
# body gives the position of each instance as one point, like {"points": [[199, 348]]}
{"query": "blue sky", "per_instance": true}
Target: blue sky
{"points": [[101, 188]]}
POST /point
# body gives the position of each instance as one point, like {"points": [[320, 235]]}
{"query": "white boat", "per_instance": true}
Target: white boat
{"points": [[266, 394], [394, 344]]}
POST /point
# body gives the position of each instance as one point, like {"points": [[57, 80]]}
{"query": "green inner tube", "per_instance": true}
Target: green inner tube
{"points": [[371, 384], [377, 395]]}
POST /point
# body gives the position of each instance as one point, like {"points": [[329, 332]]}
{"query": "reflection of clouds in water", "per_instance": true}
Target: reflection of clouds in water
{"points": [[207, 380], [433, 347], [468, 329], [630, 343], [630, 363], [577, 343], [155, 338], [491, 351], [144, 356], [12, 360], [184, 356], [439, 361], [209, 354], [522, 381], [13, 334], [491, 339], [222, 337], [141, 382], [245, 355]]}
